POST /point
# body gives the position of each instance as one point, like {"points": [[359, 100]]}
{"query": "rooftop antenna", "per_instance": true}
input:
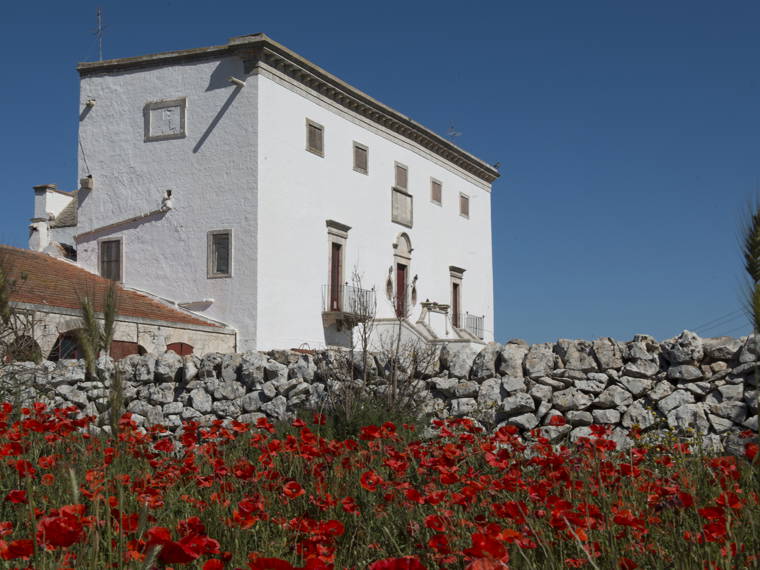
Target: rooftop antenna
{"points": [[99, 33], [452, 133]]}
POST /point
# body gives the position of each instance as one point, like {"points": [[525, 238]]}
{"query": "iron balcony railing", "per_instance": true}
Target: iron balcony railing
{"points": [[349, 300], [471, 323]]}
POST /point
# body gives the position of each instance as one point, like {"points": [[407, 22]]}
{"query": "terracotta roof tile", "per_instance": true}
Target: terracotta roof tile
{"points": [[58, 283]]}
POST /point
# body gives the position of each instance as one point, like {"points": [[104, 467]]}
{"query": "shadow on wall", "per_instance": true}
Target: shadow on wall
{"points": [[219, 79]]}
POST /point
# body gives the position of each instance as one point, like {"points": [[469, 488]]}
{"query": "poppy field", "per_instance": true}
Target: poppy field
{"points": [[279, 497]]}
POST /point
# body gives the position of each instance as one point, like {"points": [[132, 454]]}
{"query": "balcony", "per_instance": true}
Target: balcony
{"points": [[473, 324], [348, 305]]}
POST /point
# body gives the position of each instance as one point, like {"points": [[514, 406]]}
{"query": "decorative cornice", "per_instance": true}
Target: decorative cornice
{"points": [[259, 50], [332, 224]]}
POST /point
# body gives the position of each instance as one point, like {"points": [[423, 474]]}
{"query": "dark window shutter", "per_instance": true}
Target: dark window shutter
{"points": [[464, 206], [401, 176], [221, 245], [436, 191], [110, 259], [315, 138], [360, 158]]}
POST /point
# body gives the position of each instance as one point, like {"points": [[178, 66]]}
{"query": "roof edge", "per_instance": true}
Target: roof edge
{"points": [[259, 49]]}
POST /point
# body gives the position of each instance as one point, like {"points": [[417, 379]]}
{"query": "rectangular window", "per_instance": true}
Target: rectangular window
{"points": [[110, 259], [464, 205], [402, 176], [436, 192], [220, 253], [315, 138], [401, 207], [361, 158]]}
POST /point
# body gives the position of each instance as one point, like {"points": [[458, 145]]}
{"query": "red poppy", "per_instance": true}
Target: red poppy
{"points": [[17, 496], [370, 480], [18, 549], [405, 563], [292, 489], [271, 564], [62, 528]]}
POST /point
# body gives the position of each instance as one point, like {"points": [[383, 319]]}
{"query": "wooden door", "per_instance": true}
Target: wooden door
{"points": [[335, 274], [455, 305], [400, 290]]}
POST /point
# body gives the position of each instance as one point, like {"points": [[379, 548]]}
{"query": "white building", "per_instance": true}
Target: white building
{"points": [[249, 185]]}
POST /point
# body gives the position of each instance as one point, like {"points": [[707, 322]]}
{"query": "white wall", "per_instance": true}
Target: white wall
{"points": [[212, 173], [298, 191]]}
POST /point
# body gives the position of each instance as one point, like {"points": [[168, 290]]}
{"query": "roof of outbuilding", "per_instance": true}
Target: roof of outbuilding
{"points": [[47, 281]]}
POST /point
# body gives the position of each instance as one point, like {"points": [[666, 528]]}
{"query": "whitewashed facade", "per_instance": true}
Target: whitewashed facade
{"points": [[187, 150]]}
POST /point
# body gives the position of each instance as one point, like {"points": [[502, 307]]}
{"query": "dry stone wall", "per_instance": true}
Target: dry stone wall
{"points": [[687, 387]]}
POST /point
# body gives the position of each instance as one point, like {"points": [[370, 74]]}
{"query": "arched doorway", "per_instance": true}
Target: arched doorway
{"points": [[66, 347], [23, 349], [181, 348], [402, 259]]}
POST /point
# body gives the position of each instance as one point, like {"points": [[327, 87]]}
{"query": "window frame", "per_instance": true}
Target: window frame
{"points": [[433, 182], [466, 197], [210, 273], [396, 190], [120, 240], [397, 165], [319, 152], [365, 148], [161, 104]]}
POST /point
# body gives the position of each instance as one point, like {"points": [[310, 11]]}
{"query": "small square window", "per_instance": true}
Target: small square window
{"points": [[315, 138], [402, 176], [436, 191], [361, 158], [464, 205], [110, 259], [220, 253]]}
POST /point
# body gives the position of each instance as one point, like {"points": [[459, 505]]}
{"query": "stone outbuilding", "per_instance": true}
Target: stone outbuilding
{"points": [[47, 295]]}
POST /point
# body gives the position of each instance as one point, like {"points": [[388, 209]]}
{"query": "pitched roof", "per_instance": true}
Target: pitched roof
{"points": [[68, 216], [45, 280]]}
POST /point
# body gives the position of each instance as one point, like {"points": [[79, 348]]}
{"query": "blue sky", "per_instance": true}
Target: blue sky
{"points": [[628, 133]]}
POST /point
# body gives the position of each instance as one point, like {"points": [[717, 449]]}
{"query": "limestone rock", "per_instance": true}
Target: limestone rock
{"points": [[200, 400], [539, 361], [605, 416], [252, 368], [641, 368], [689, 416], [466, 389], [226, 408], [524, 421], [253, 401], [484, 364], [734, 411], [512, 384], [445, 385], [554, 433], [510, 360], [686, 348], [638, 415], [228, 390], [675, 400], [161, 393], [608, 353], [276, 408], [517, 404], [613, 397], [720, 425], [541, 393], [576, 354], [190, 365], [579, 418], [721, 348], [305, 368], [750, 349], [489, 393], [571, 399], [636, 386], [167, 366], [460, 359], [274, 371], [463, 406], [660, 390], [684, 372]]}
